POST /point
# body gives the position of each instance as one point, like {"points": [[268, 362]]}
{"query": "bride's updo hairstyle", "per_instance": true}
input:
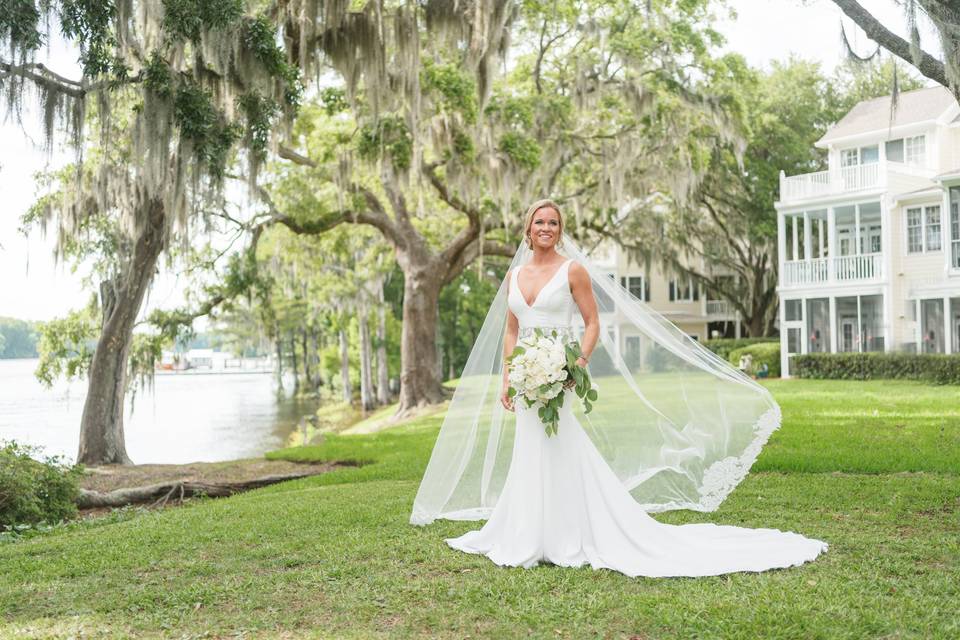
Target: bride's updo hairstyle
{"points": [[531, 211]]}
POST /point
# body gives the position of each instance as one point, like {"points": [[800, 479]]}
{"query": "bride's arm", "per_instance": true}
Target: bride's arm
{"points": [[582, 290]]}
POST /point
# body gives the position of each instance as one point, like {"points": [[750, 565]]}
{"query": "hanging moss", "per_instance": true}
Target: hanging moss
{"points": [[390, 135]]}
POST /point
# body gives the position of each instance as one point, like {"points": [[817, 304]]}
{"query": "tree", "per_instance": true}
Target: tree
{"points": [[725, 238], [441, 157], [184, 83], [945, 18]]}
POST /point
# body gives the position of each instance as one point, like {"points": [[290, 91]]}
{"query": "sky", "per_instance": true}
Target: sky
{"points": [[33, 287]]}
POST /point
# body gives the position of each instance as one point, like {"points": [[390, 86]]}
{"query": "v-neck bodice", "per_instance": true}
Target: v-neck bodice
{"points": [[552, 306]]}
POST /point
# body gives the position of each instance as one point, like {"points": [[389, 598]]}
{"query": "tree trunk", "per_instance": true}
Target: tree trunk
{"points": [[345, 366], [366, 363], [278, 341], [296, 368], [419, 379], [307, 375], [315, 356], [383, 376], [101, 426]]}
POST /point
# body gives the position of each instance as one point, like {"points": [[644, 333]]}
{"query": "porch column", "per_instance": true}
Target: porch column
{"points": [[796, 244], [859, 328], [831, 244], [856, 230], [833, 324], [807, 238], [947, 338], [918, 326], [781, 239]]}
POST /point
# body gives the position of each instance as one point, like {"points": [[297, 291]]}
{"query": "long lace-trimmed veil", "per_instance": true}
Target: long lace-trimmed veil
{"points": [[678, 425]]}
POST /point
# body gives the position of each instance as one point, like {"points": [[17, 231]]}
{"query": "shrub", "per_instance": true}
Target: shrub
{"points": [[763, 353], [723, 346], [927, 367], [34, 491]]}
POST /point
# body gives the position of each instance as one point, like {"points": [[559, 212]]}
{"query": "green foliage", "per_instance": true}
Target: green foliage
{"points": [[33, 491], [19, 21], [333, 100], [189, 19], [157, 76], [259, 36], [767, 353], [67, 344], [89, 22], [927, 367], [457, 91], [522, 149], [390, 134], [204, 125], [723, 346], [259, 112]]}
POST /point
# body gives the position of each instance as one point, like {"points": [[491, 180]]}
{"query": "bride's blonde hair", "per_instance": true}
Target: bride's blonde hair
{"points": [[536, 206]]}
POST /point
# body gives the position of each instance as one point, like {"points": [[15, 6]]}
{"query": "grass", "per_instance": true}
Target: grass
{"points": [[870, 467]]}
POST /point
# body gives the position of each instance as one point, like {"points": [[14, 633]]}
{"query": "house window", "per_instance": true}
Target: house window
{"points": [[932, 226], [894, 150], [793, 309], [955, 227], [683, 290], [637, 286], [923, 229], [849, 157], [914, 150], [860, 155], [914, 230]]}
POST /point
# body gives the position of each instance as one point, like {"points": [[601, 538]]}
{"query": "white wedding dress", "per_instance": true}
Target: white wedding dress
{"points": [[562, 504]]}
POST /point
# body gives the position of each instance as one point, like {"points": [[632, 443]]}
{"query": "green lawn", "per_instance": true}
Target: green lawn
{"points": [[870, 467]]}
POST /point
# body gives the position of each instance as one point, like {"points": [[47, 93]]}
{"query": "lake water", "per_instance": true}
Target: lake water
{"points": [[184, 418]]}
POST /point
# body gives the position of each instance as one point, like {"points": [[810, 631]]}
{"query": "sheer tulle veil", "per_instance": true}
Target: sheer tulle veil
{"points": [[678, 425]]}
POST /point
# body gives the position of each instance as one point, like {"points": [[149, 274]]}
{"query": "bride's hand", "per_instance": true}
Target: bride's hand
{"points": [[506, 400]]}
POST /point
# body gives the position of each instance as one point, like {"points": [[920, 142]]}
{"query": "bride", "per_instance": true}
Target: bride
{"points": [[674, 427]]}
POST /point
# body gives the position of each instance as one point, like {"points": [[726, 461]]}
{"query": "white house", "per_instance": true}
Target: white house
{"points": [[870, 248], [675, 297]]}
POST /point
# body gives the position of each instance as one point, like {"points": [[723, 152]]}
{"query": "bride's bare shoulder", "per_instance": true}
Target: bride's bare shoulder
{"points": [[577, 270]]}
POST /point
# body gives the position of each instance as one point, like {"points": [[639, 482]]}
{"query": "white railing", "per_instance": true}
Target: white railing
{"points": [[821, 183], [804, 272], [862, 267], [719, 308], [845, 269]]}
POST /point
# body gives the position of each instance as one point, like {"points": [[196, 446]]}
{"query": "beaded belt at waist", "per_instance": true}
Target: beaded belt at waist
{"points": [[563, 331]]}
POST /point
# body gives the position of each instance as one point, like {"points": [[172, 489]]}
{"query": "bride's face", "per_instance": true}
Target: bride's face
{"points": [[545, 228]]}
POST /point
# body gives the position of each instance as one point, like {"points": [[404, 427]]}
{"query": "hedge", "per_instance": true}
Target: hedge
{"points": [[936, 368], [34, 491], [723, 346], [762, 352]]}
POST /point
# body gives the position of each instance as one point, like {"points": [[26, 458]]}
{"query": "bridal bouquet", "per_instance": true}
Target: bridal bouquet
{"points": [[540, 366]]}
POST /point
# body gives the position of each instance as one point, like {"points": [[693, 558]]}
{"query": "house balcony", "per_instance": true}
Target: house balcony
{"points": [[720, 309], [839, 270], [843, 180]]}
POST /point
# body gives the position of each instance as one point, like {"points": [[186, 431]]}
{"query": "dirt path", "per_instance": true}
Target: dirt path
{"points": [[110, 477]]}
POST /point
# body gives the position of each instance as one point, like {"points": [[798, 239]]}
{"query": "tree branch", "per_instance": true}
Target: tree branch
{"points": [[928, 65]]}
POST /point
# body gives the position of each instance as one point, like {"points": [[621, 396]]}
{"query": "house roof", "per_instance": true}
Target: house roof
{"points": [[919, 105]]}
